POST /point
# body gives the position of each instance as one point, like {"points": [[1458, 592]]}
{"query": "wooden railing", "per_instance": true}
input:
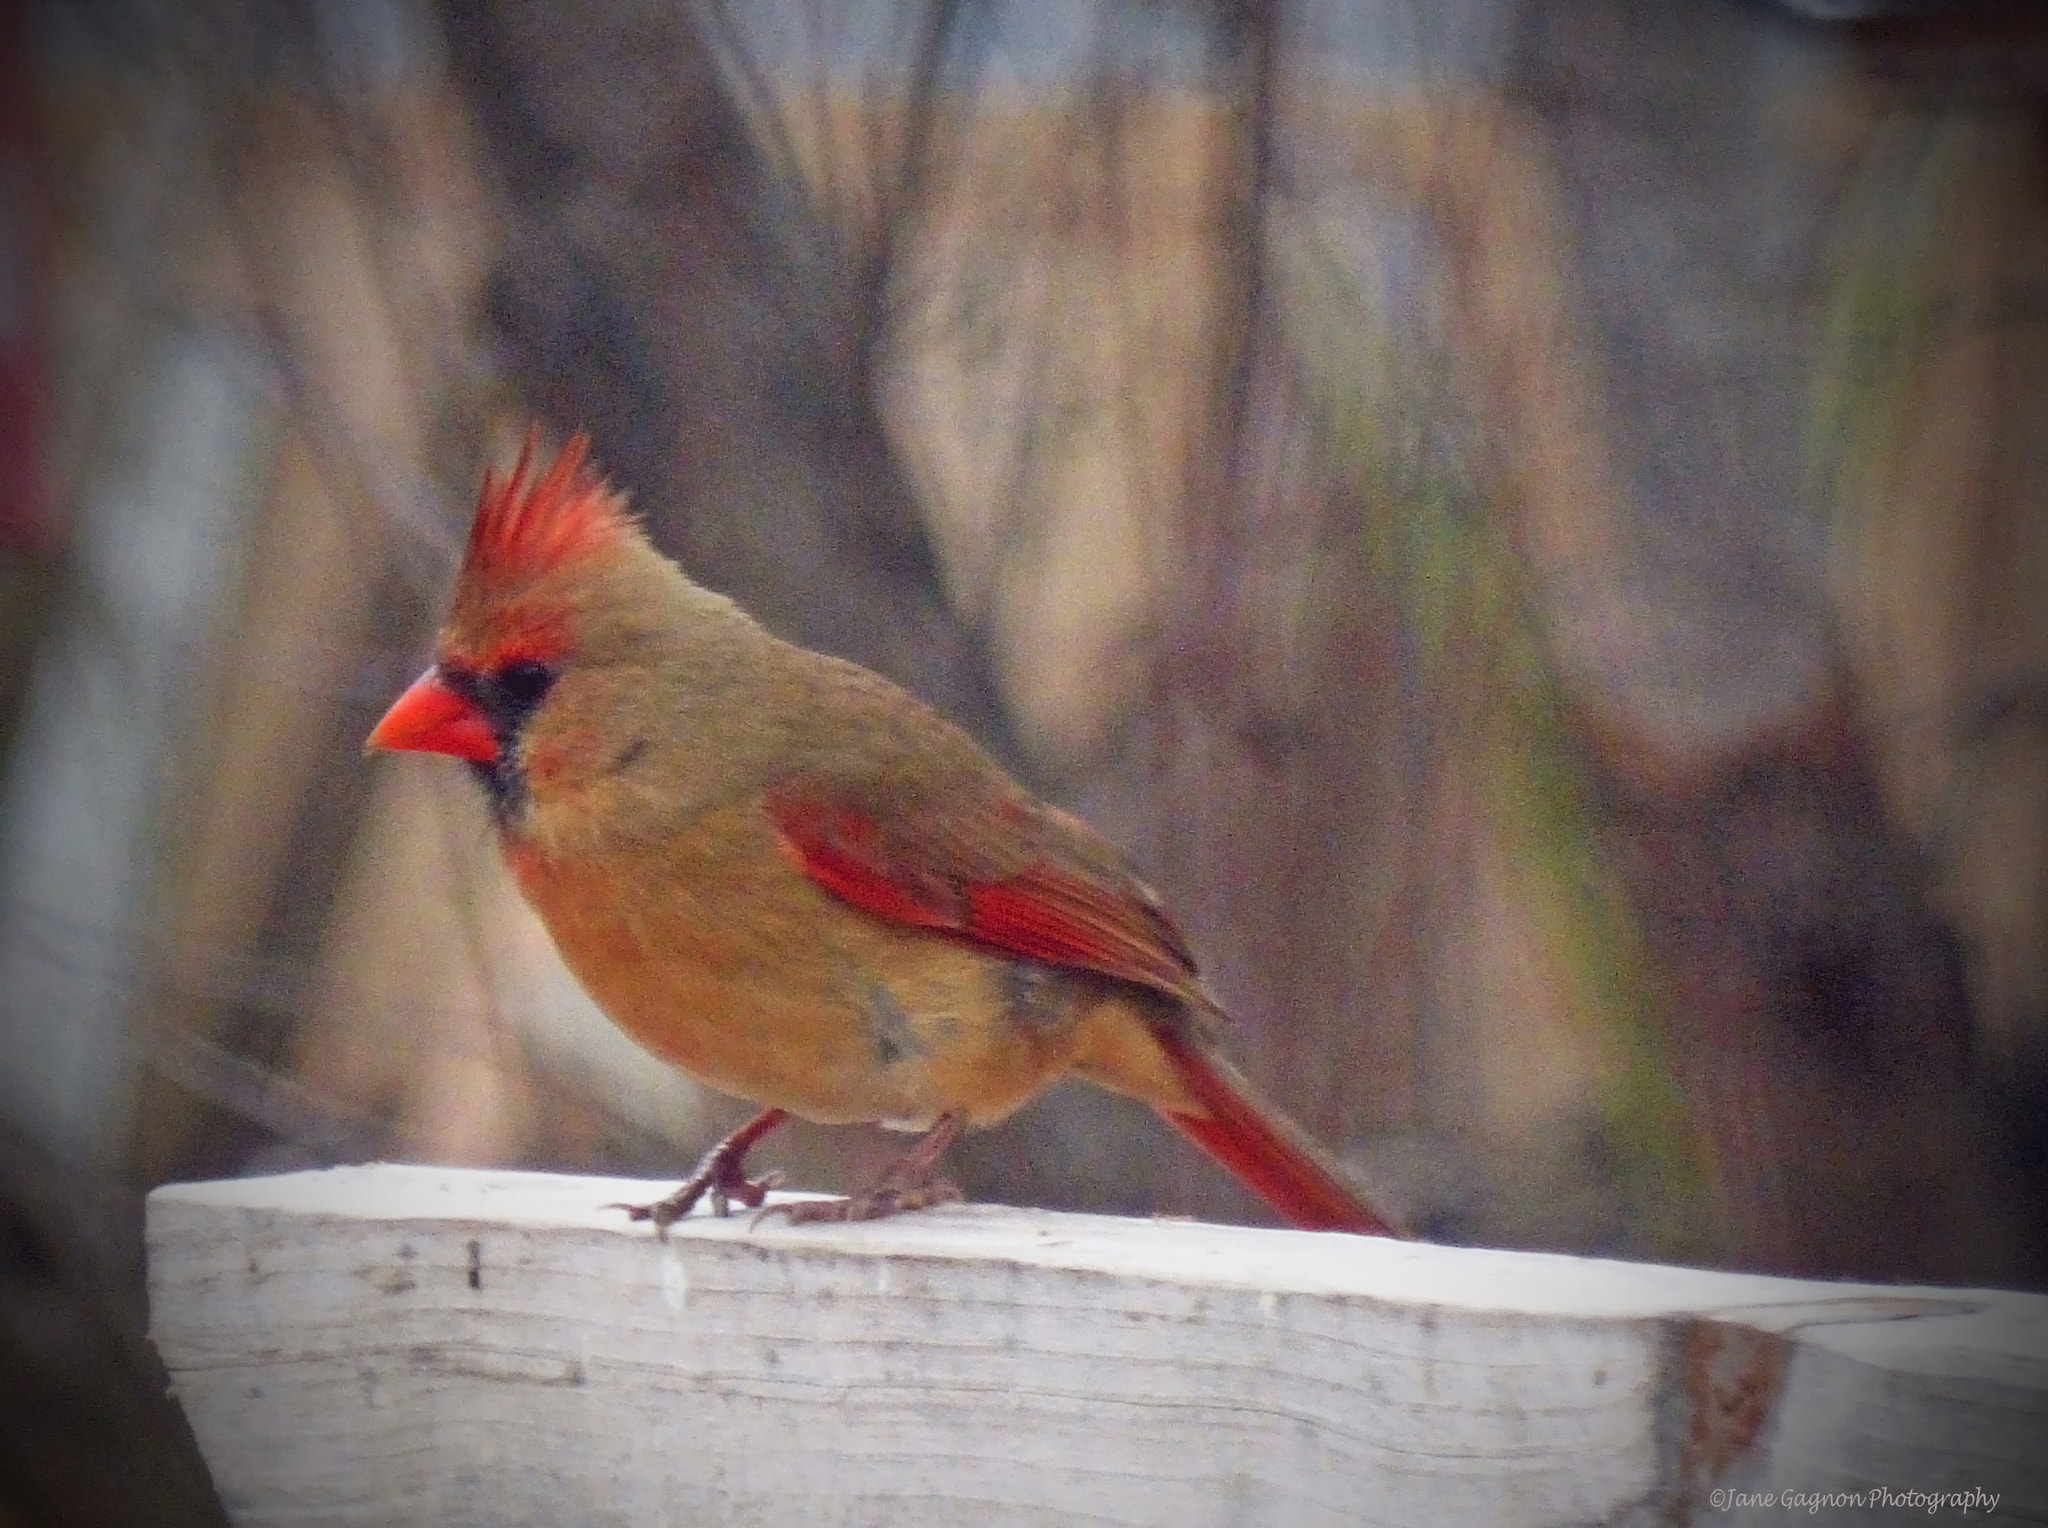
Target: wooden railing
{"points": [[387, 1345]]}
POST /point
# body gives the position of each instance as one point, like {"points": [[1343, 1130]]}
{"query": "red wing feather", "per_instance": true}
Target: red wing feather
{"points": [[1018, 899], [841, 849], [1065, 920]]}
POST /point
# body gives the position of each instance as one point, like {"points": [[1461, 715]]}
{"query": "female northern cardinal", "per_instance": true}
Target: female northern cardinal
{"points": [[798, 883]]}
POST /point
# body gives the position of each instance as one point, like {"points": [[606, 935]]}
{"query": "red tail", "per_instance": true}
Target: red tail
{"points": [[1263, 1152]]}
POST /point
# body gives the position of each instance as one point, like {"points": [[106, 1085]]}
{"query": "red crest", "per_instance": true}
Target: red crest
{"points": [[534, 522]]}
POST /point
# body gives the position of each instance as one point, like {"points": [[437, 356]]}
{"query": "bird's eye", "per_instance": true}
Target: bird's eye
{"points": [[524, 683]]}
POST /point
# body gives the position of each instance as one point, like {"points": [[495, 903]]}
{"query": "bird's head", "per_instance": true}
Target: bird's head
{"points": [[539, 670]]}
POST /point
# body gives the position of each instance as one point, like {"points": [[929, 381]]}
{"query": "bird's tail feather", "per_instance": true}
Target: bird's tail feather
{"points": [[1264, 1150]]}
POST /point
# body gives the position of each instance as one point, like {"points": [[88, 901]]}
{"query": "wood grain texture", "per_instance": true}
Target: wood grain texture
{"points": [[388, 1344]]}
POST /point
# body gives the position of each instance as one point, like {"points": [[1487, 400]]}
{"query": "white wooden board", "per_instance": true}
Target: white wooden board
{"points": [[387, 1345]]}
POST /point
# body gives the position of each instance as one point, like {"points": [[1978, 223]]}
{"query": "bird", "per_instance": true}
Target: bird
{"points": [[799, 884]]}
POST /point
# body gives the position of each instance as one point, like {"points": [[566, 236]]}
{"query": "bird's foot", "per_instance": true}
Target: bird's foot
{"points": [[721, 1174], [725, 1184], [878, 1202], [911, 1182]]}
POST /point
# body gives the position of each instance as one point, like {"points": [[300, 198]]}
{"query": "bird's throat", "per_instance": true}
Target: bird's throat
{"points": [[504, 783]]}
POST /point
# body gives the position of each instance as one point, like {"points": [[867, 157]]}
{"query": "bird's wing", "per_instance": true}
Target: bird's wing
{"points": [[997, 870], [1003, 872]]}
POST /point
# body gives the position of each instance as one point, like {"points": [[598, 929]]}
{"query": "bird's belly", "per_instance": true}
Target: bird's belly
{"points": [[752, 980]]}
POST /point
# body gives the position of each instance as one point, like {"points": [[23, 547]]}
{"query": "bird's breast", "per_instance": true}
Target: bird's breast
{"points": [[713, 951]]}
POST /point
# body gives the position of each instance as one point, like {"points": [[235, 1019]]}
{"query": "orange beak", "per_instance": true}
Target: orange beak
{"points": [[431, 718]]}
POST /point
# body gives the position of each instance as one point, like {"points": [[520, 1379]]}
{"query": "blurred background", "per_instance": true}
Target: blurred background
{"points": [[1528, 521]]}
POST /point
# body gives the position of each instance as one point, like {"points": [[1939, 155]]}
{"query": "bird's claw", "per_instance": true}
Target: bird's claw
{"points": [[876, 1203], [749, 1192], [718, 1177]]}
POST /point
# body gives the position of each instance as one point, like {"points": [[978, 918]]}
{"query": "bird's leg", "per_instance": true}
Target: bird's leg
{"points": [[911, 1182], [722, 1173]]}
